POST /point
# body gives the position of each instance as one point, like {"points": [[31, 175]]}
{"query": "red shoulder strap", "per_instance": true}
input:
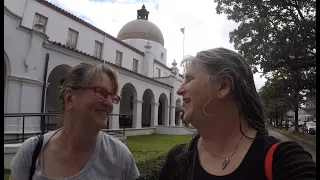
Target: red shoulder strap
{"points": [[268, 161]]}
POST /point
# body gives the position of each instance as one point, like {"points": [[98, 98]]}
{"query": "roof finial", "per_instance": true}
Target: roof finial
{"points": [[142, 13], [174, 64]]}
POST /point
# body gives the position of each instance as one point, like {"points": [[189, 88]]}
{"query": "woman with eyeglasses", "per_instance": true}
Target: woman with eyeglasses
{"points": [[79, 150]]}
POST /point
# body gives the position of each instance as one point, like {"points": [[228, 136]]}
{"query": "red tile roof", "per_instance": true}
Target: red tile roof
{"points": [[100, 60], [56, 8]]}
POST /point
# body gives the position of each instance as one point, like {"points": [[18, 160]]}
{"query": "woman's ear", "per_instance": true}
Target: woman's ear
{"points": [[68, 96], [225, 88]]}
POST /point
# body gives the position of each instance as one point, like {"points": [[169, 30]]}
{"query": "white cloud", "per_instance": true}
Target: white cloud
{"points": [[204, 28]]}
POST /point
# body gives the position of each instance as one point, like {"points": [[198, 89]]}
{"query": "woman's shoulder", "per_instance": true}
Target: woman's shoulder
{"points": [[112, 143], [292, 161], [176, 150], [30, 143]]}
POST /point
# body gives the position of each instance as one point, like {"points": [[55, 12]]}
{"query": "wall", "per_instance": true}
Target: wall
{"points": [[24, 83], [155, 50], [174, 130], [57, 30], [141, 131], [162, 70], [109, 54], [16, 6]]}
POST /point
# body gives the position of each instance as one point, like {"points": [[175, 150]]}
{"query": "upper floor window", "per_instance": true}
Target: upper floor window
{"points": [[72, 38], [98, 49], [119, 58], [135, 65], [157, 73], [161, 56], [40, 23]]}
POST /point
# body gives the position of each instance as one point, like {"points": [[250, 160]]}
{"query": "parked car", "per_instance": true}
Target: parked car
{"points": [[309, 127]]}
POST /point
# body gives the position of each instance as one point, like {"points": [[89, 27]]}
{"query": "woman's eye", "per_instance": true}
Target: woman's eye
{"points": [[187, 80], [102, 93]]}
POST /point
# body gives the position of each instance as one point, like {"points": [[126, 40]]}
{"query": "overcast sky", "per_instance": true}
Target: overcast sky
{"points": [[204, 29]]}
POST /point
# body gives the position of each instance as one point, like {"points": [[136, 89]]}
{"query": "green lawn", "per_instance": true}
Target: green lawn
{"points": [[144, 147]]}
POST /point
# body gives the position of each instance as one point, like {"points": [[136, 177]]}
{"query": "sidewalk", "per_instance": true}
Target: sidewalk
{"points": [[311, 148], [297, 139]]}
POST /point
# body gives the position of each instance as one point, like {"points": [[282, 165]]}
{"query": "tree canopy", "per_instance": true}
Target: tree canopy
{"points": [[280, 37]]}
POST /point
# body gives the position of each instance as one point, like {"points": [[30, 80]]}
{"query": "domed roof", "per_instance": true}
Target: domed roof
{"points": [[141, 28]]}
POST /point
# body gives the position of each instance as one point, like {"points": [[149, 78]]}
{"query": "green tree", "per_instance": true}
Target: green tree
{"points": [[276, 99], [280, 37]]}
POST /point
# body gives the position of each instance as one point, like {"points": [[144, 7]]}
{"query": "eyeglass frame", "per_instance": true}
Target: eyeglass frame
{"points": [[93, 88]]}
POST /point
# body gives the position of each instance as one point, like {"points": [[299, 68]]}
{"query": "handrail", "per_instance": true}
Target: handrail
{"points": [[50, 114]]}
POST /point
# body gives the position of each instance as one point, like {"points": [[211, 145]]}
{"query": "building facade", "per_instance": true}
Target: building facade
{"points": [[42, 42]]}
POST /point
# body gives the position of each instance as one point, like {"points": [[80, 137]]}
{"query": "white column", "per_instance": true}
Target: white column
{"points": [[23, 96], [179, 119], [166, 115], [154, 114], [172, 115], [114, 119], [137, 111]]}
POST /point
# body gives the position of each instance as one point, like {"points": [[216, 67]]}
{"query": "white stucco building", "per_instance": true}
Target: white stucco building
{"points": [[42, 42]]}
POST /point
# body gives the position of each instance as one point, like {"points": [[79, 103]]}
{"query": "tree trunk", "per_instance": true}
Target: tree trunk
{"points": [[281, 120], [296, 119]]}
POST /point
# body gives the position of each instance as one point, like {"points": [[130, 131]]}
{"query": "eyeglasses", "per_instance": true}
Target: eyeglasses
{"points": [[101, 93]]}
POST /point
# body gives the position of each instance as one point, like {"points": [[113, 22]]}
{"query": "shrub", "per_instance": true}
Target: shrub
{"points": [[150, 168]]}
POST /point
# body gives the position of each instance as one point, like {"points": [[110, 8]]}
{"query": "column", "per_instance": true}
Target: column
{"points": [[166, 115], [137, 111], [179, 119], [23, 96], [172, 115], [154, 114], [114, 119]]}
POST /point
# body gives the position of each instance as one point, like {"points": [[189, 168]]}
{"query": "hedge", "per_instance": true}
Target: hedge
{"points": [[150, 169]]}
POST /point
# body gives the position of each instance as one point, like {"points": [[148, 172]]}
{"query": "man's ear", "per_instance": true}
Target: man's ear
{"points": [[225, 88]]}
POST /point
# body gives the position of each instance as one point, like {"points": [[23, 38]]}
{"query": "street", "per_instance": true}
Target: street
{"points": [[285, 138]]}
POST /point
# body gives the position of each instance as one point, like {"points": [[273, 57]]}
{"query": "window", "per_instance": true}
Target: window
{"points": [[161, 55], [157, 73], [165, 74], [98, 49], [119, 58], [40, 23], [135, 65], [72, 38]]}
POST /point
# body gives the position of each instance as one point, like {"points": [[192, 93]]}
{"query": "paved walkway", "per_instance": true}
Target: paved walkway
{"points": [[286, 138]]}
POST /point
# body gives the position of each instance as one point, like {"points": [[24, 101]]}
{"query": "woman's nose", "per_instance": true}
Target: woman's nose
{"points": [[181, 91], [108, 103]]}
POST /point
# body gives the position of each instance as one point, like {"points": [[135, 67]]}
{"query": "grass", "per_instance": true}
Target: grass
{"points": [[146, 146], [6, 174], [307, 137]]}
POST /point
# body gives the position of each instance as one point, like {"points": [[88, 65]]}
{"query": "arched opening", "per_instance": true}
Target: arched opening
{"points": [[148, 100], [163, 103], [5, 78], [6, 72], [128, 95], [178, 111], [52, 102]]}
